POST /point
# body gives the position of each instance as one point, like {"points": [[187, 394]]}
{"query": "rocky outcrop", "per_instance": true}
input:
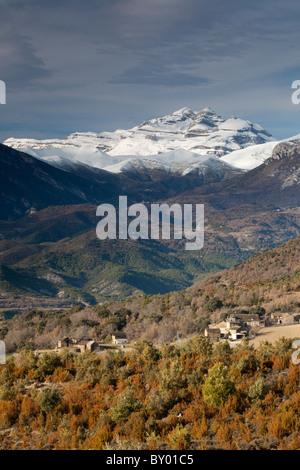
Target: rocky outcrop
{"points": [[285, 150]]}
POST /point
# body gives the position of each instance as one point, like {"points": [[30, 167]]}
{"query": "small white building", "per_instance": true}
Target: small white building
{"points": [[119, 338], [236, 333]]}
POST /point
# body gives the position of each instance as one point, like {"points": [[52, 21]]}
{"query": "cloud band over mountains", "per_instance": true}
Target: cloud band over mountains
{"points": [[101, 65]]}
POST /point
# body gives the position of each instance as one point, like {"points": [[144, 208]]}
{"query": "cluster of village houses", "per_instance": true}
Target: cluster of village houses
{"points": [[80, 346], [241, 325], [235, 327]]}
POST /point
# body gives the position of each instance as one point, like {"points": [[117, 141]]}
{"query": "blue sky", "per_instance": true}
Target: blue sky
{"points": [[105, 64]]}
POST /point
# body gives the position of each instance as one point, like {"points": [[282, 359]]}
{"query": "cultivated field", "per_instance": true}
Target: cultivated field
{"points": [[273, 333]]}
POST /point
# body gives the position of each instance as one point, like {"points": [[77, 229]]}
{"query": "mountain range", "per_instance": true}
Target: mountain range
{"points": [[248, 182], [180, 142]]}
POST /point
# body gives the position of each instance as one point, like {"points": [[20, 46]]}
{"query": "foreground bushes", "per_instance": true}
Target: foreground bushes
{"points": [[193, 396]]}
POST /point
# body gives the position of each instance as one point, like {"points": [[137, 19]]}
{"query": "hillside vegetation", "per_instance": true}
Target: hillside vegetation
{"points": [[266, 283], [67, 261], [190, 397]]}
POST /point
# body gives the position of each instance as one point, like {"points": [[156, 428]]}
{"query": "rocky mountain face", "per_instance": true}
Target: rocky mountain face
{"points": [[277, 180], [274, 182]]}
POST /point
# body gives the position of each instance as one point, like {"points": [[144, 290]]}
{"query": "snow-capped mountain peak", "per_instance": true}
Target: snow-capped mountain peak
{"points": [[184, 134]]}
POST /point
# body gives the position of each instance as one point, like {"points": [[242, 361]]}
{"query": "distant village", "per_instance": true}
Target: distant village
{"points": [[80, 346], [240, 326], [235, 328]]}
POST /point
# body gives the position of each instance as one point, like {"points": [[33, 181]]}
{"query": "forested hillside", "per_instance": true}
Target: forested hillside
{"points": [[265, 283]]}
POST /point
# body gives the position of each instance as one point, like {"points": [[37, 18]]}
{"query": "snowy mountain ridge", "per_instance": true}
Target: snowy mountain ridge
{"points": [[181, 142]]}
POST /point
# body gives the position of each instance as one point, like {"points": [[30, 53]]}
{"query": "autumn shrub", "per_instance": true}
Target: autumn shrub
{"points": [[212, 303], [198, 345], [133, 429], [125, 404], [100, 439], [88, 367], [224, 435], [49, 399], [217, 386], [222, 352], [258, 390], [153, 441], [248, 364], [280, 362], [26, 360], [46, 365], [179, 438], [159, 402], [6, 392], [200, 429], [170, 375], [61, 375], [29, 410], [8, 414]]}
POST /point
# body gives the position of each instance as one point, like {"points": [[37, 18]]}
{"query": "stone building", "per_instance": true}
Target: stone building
{"points": [[213, 334], [75, 345], [119, 338]]}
